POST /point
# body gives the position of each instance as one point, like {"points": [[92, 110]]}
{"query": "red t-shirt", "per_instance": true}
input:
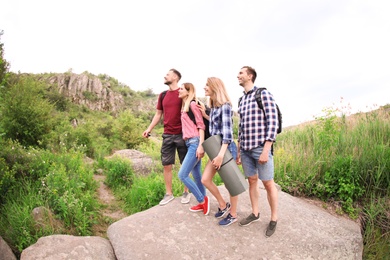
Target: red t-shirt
{"points": [[171, 107]]}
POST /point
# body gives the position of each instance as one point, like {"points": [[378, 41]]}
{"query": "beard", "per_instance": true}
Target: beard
{"points": [[167, 82]]}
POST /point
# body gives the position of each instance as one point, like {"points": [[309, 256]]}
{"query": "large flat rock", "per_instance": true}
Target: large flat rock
{"points": [[65, 247], [304, 231]]}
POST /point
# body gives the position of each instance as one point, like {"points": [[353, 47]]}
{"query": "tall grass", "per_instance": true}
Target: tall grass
{"points": [[17, 225], [343, 160], [61, 183]]}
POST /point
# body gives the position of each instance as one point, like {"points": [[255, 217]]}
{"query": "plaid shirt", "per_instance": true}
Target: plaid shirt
{"points": [[221, 122], [256, 127]]}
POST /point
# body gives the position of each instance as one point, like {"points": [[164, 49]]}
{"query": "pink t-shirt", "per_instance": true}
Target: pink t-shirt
{"points": [[171, 106], [189, 128]]}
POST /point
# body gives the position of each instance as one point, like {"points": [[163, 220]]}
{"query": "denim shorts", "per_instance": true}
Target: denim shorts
{"points": [[251, 166]]}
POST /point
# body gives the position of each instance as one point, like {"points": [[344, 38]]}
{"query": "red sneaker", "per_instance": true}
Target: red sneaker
{"points": [[206, 205], [197, 208]]}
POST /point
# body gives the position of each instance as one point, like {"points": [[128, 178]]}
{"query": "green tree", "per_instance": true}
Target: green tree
{"points": [[4, 65], [129, 129], [25, 115]]}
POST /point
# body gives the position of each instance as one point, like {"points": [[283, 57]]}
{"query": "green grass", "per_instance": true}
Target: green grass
{"points": [[344, 160], [61, 183]]}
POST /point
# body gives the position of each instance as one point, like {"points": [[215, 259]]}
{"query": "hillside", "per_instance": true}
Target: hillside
{"points": [[98, 93]]}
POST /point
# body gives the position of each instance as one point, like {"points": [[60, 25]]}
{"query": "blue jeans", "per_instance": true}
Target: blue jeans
{"points": [[191, 163]]}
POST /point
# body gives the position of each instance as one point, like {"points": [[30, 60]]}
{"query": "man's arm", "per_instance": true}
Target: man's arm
{"points": [[156, 119]]}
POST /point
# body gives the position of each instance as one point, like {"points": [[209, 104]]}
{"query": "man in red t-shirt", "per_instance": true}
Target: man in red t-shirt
{"points": [[169, 106]]}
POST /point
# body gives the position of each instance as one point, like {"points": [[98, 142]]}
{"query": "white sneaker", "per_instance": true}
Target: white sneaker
{"points": [[167, 198], [186, 198]]}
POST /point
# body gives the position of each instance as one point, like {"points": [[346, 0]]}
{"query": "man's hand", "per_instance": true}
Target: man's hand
{"points": [[146, 134]]}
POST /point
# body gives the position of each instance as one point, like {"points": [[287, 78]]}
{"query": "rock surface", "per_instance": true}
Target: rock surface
{"points": [[141, 163], [304, 231], [84, 89], [5, 251], [58, 247]]}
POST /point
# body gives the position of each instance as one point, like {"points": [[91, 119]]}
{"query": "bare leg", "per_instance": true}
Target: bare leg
{"points": [[272, 196], [234, 203], [207, 180], [168, 179], [254, 193]]}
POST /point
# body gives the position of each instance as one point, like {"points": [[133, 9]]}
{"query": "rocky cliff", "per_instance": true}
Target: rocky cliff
{"points": [[84, 89]]}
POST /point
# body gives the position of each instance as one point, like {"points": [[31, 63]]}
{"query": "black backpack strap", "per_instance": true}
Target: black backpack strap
{"points": [[258, 98], [190, 113], [162, 97]]}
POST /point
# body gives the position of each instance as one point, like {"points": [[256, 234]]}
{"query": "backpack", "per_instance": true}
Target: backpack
{"points": [[205, 121], [163, 96], [192, 116], [260, 104]]}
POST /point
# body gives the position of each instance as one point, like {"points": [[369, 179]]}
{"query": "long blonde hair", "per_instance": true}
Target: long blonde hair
{"points": [[219, 95], [191, 96]]}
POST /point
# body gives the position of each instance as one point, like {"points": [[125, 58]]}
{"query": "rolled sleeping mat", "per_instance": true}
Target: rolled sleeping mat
{"points": [[230, 174]]}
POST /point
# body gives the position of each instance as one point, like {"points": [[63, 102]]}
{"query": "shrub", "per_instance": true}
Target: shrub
{"points": [[69, 188], [26, 115], [129, 129], [119, 173], [7, 179]]}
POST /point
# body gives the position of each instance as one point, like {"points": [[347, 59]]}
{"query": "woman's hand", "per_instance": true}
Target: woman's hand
{"points": [[200, 152], [202, 109], [217, 162]]}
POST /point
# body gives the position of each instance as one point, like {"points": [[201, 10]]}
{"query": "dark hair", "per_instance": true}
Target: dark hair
{"points": [[251, 71], [177, 73]]}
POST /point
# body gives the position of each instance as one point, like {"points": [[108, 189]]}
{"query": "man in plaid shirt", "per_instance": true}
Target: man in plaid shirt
{"points": [[256, 134]]}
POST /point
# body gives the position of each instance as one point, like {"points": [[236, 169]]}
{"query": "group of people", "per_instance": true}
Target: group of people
{"points": [[185, 134]]}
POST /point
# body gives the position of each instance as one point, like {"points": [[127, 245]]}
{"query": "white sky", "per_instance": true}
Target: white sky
{"points": [[308, 53]]}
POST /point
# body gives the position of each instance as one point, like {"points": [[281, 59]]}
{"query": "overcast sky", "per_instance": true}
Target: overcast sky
{"points": [[310, 54]]}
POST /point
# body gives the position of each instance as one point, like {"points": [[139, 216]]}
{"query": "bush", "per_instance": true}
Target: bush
{"points": [[69, 188], [26, 115], [129, 129], [119, 173], [145, 193], [7, 179]]}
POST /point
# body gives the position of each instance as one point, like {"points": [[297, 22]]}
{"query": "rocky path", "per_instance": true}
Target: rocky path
{"points": [[110, 211]]}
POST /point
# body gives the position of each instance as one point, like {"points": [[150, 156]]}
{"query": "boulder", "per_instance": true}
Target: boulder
{"points": [[58, 247], [44, 218], [5, 251], [141, 163], [304, 231]]}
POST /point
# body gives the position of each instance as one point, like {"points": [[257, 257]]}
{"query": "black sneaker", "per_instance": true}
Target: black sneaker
{"points": [[251, 218], [271, 228], [222, 213]]}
